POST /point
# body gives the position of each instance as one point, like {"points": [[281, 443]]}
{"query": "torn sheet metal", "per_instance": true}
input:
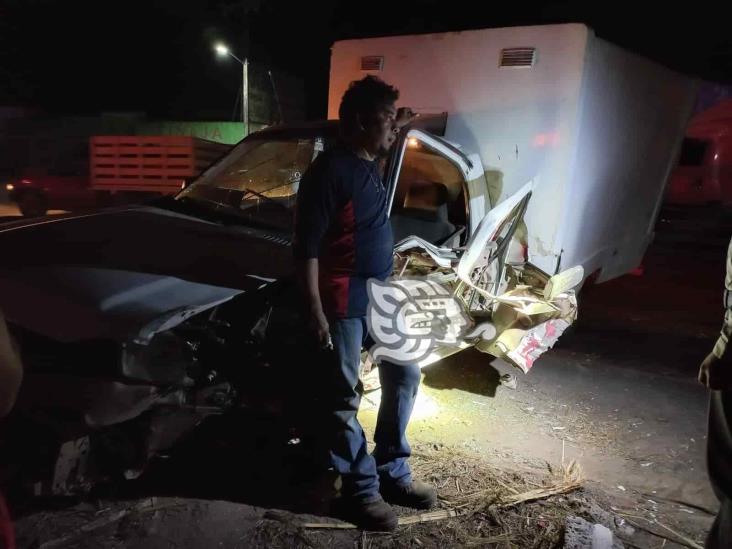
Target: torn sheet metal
{"points": [[524, 338], [529, 313], [531, 324], [535, 342], [488, 230], [442, 257], [70, 474]]}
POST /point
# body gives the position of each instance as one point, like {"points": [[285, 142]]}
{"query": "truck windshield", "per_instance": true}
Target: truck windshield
{"points": [[259, 174]]}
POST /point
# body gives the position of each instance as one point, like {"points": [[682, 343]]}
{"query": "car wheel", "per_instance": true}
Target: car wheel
{"points": [[32, 204]]}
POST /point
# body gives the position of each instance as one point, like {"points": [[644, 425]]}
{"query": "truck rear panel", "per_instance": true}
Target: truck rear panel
{"points": [[149, 163]]}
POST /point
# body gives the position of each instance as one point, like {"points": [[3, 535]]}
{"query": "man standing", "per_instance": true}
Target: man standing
{"points": [[716, 374], [343, 238]]}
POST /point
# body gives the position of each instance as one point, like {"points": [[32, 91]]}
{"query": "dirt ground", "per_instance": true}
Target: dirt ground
{"points": [[488, 506], [618, 395]]}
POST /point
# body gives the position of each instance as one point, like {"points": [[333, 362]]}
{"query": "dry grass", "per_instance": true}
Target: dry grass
{"points": [[465, 481], [498, 508], [480, 506]]}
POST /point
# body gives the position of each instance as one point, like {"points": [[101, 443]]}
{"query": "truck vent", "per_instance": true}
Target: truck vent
{"points": [[372, 63], [518, 57]]}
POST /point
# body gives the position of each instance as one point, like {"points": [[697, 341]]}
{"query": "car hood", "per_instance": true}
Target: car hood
{"points": [[128, 272]]}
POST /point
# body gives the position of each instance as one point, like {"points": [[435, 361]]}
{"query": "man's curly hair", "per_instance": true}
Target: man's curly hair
{"points": [[362, 99]]}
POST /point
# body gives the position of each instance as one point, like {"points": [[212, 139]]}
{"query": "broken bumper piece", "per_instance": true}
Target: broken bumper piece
{"points": [[528, 309]]}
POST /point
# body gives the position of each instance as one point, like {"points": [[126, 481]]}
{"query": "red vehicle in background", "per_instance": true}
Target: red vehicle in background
{"points": [[38, 192], [704, 171], [119, 169]]}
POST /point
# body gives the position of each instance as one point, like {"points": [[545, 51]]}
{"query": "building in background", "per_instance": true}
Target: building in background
{"points": [[33, 144]]}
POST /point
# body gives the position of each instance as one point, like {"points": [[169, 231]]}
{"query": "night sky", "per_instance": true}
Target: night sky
{"points": [[156, 56]]}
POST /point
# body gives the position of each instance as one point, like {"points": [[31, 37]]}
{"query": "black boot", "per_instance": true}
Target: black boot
{"points": [[377, 516], [416, 494]]}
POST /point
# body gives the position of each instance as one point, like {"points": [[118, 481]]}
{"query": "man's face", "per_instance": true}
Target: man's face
{"points": [[381, 130]]}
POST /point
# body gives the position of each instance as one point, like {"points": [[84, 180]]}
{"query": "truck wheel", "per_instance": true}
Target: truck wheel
{"points": [[32, 204]]}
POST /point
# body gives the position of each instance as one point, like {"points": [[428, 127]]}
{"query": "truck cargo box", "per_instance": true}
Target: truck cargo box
{"points": [[596, 128]]}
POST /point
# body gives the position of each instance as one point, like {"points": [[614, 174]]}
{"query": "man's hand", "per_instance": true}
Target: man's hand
{"points": [[319, 326], [317, 322], [404, 116], [715, 374]]}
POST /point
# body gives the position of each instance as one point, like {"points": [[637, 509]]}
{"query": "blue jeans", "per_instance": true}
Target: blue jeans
{"points": [[361, 472]]}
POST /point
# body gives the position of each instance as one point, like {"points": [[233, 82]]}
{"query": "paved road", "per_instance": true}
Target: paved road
{"points": [[7, 210]]}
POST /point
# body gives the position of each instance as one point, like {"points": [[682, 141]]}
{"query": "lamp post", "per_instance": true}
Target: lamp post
{"points": [[223, 51]]}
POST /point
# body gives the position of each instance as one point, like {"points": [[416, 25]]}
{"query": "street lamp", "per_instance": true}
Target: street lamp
{"points": [[223, 51]]}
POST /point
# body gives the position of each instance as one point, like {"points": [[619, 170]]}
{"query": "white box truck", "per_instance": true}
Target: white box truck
{"points": [[595, 127]]}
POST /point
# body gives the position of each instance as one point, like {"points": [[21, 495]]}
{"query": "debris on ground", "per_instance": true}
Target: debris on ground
{"points": [[509, 381], [581, 534], [480, 505]]}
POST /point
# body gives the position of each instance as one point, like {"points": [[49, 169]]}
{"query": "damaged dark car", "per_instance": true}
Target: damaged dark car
{"points": [[136, 323]]}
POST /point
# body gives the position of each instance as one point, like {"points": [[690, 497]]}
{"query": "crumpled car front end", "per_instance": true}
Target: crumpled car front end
{"points": [[101, 407]]}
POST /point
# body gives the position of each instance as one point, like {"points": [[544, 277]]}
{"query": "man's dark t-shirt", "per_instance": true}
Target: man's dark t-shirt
{"points": [[341, 219]]}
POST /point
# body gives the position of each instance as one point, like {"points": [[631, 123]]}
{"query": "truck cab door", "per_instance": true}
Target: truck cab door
{"points": [[430, 191], [483, 262]]}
